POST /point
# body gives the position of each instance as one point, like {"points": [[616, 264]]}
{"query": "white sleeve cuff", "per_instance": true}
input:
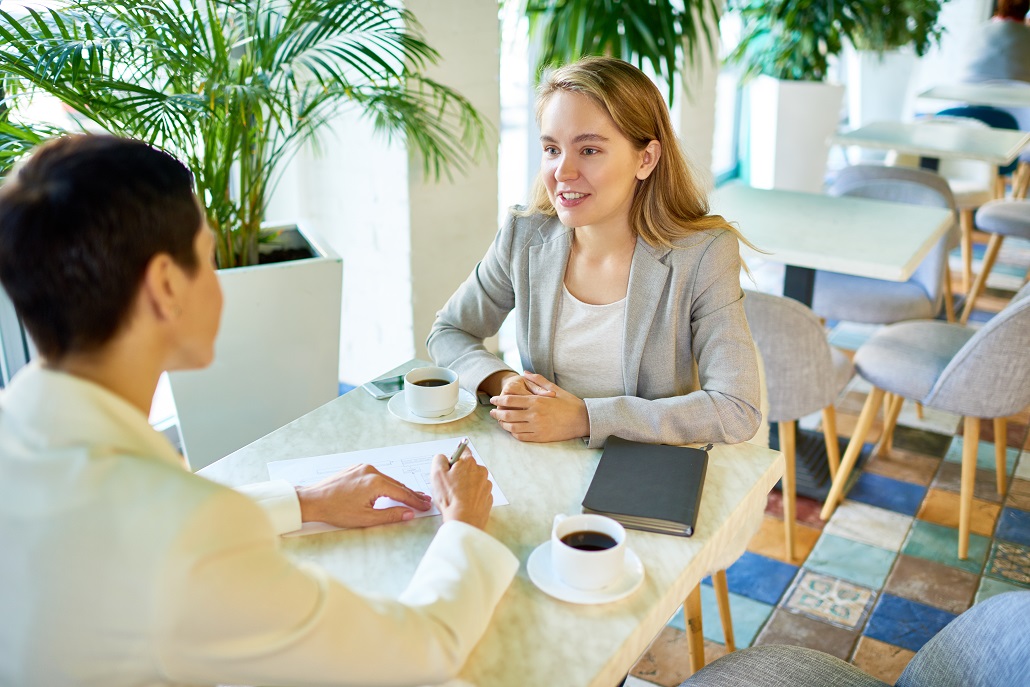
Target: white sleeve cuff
{"points": [[279, 500]]}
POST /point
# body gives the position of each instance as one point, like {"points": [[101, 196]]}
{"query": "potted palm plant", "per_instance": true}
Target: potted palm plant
{"points": [[234, 88], [882, 58], [785, 51]]}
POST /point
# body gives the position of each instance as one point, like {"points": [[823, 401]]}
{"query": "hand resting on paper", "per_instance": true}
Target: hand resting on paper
{"points": [[546, 413], [347, 499]]}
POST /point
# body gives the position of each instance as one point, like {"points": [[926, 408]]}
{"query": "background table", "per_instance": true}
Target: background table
{"points": [[995, 95], [942, 139], [533, 639], [811, 231]]}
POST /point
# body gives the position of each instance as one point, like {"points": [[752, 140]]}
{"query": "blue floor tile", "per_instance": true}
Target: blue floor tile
{"points": [[884, 492], [1014, 525], [759, 578], [905, 623]]}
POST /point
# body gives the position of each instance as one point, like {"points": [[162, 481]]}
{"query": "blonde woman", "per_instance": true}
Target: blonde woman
{"points": [[628, 311]]}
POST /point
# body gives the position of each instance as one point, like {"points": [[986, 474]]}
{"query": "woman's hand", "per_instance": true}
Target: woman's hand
{"points": [[546, 413], [347, 499]]}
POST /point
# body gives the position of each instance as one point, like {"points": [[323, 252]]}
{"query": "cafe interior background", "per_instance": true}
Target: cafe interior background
{"points": [[872, 584]]}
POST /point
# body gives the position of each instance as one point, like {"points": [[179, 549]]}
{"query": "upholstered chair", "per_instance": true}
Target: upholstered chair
{"points": [[999, 218]]}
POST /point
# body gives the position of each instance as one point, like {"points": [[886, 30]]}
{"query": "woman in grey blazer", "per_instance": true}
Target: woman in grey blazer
{"points": [[626, 292]]}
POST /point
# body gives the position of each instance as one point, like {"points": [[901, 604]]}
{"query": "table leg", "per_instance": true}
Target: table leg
{"points": [[799, 284], [695, 633]]}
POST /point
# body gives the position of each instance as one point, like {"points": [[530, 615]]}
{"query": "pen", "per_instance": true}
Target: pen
{"points": [[458, 451]]}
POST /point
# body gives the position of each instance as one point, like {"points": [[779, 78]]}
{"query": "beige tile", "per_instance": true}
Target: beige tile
{"points": [[870, 525], [881, 660], [942, 508], [770, 541]]}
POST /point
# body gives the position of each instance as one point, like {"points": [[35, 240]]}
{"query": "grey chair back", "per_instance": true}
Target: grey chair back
{"points": [[799, 370], [915, 187], [990, 375]]}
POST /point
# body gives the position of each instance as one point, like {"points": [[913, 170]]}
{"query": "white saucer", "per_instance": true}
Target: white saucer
{"points": [[466, 404], [542, 575]]}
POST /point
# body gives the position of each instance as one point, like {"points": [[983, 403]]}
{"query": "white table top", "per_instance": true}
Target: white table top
{"points": [[940, 139], [858, 236], [533, 639], [997, 95]]}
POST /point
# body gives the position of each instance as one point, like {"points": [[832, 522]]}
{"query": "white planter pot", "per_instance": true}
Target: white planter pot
{"points": [[276, 358], [877, 91], [790, 124]]}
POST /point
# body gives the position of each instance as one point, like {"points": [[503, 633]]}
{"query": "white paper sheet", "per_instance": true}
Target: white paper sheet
{"points": [[408, 464]]}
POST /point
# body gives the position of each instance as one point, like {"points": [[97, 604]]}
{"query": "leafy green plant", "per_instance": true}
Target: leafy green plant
{"points": [[794, 39], [234, 87], [662, 34]]}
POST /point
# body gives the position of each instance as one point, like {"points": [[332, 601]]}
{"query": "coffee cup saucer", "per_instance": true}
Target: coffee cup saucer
{"points": [[466, 404], [542, 574]]}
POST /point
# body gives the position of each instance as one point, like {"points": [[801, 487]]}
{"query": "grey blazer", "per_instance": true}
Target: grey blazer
{"points": [[689, 363]]}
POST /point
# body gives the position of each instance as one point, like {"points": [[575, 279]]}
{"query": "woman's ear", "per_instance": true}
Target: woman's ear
{"points": [[649, 157], [161, 287]]}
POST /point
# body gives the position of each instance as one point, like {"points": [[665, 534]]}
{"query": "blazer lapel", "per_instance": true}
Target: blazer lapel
{"points": [[547, 263], [647, 278]]}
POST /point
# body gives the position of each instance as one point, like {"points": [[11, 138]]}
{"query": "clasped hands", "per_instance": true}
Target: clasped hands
{"points": [[532, 408]]}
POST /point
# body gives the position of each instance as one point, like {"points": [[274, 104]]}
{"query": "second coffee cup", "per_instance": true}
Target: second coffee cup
{"points": [[431, 391], [588, 551]]}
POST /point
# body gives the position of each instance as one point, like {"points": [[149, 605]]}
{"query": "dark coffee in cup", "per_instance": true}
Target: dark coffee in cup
{"points": [[431, 382], [587, 540]]}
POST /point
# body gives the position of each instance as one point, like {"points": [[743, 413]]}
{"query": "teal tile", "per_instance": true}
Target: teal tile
{"points": [[990, 587], [850, 560], [939, 543], [984, 455], [748, 617]]}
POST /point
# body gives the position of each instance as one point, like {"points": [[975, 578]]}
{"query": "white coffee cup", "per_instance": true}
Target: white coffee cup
{"points": [[435, 400], [587, 568]]}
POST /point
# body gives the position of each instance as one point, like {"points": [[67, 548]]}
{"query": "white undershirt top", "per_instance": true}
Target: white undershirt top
{"points": [[588, 345]]}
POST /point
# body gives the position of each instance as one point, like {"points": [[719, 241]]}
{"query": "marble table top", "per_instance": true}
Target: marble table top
{"points": [[939, 139], [533, 638], [858, 236], [995, 94]]}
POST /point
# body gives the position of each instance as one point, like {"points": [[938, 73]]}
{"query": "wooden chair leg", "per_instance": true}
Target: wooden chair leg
{"points": [[965, 217], [722, 597], [919, 410], [1001, 426], [1019, 188], [847, 463], [999, 187], [993, 246], [970, 442], [890, 422], [830, 435], [949, 295], [788, 445], [695, 633]]}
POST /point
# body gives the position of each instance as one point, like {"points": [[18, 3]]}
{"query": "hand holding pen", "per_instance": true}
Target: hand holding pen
{"points": [[461, 488], [462, 445]]}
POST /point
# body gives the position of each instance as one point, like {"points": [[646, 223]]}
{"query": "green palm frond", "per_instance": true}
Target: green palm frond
{"points": [[663, 35], [234, 87]]}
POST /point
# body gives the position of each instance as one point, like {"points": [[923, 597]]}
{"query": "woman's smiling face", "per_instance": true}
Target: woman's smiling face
{"points": [[589, 168]]}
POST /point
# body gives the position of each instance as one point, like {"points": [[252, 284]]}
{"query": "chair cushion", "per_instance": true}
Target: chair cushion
{"points": [[1006, 217], [874, 301], [908, 357], [780, 666]]}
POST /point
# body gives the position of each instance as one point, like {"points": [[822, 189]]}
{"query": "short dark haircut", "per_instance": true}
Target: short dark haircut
{"points": [[1012, 9], [79, 222]]}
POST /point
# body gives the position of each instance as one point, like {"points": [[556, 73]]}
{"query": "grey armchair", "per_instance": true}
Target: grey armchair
{"points": [[987, 646], [803, 374], [978, 374], [860, 299], [1000, 218]]}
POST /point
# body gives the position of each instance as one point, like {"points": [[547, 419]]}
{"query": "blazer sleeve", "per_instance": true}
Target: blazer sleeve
{"points": [[234, 609], [726, 408], [475, 311]]}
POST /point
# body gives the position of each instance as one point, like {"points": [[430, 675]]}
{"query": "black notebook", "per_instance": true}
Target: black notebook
{"points": [[649, 487]]}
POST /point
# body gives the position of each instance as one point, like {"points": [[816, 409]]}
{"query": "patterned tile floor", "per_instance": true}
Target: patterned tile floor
{"points": [[873, 584]]}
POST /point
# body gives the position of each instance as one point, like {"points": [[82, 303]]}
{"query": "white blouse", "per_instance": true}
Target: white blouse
{"points": [[588, 347]]}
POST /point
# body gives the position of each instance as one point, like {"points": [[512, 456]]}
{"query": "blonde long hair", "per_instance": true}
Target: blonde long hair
{"points": [[667, 205]]}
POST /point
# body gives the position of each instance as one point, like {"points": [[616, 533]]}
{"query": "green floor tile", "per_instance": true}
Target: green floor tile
{"points": [[748, 617], [939, 543], [851, 560], [990, 587], [984, 455]]}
